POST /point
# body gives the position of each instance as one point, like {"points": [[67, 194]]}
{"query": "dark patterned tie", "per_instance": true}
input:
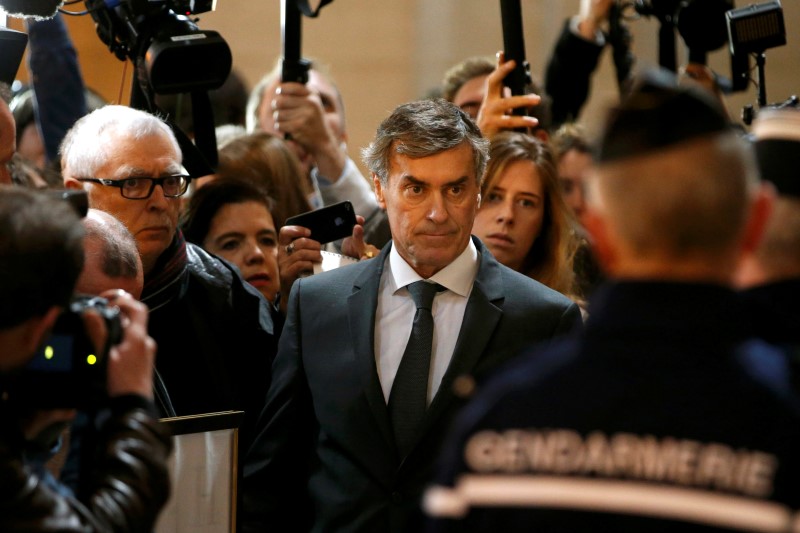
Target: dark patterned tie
{"points": [[408, 399]]}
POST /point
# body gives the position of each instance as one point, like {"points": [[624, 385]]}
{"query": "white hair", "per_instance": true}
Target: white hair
{"points": [[86, 147]]}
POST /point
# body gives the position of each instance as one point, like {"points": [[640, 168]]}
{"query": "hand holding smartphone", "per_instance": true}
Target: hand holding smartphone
{"points": [[328, 223]]}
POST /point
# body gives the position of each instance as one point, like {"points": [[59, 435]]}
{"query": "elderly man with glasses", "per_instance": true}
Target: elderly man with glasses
{"points": [[215, 333]]}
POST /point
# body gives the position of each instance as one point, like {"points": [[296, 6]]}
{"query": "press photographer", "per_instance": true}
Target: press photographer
{"points": [[41, 256]]}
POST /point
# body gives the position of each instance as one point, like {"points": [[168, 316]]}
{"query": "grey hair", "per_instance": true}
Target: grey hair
{"points": [[85, 147], [424, 128]]}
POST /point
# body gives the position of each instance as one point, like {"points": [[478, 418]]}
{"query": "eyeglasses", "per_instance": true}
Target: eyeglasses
{"points": [[142, 188]]}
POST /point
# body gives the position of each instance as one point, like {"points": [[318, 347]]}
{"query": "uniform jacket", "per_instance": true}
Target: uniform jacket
{"points": [[661, 416]]}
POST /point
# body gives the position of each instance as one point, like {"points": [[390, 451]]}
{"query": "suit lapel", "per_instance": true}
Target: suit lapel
{"points": [[484, 310], [361, 306]]}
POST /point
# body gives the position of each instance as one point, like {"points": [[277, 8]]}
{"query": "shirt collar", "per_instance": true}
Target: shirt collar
{"points": [[457, 277]]}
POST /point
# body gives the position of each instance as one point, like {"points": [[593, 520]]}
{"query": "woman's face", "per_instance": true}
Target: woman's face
{"points": [[245, 235], [511, 214]]}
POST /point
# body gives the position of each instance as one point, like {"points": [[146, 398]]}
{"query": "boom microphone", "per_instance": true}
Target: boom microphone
{"points": [[37, 9]]}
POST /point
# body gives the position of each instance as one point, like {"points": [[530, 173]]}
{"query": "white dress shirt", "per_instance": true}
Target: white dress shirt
{"points": [[394, 315]]}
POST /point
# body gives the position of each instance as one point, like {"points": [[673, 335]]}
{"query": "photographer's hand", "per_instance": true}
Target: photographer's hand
{"points": [[130, 363], [495, 112], [301, 112], [592, 15]]}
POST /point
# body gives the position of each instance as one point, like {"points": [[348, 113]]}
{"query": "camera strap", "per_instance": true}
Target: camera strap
{"points": [[162, 396]]}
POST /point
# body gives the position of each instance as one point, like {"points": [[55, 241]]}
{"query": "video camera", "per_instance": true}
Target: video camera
{"points": [[167, 47], [171, 55], [68, 371]]}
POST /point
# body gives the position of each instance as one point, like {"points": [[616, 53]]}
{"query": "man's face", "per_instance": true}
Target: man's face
{"points": [[431, 203], [469, 96], [8, 141], [152, 221]]}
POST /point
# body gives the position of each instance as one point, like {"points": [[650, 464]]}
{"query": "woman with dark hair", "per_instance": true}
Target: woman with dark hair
{"points": [[523, 219], [265, 160], [232, 219]]}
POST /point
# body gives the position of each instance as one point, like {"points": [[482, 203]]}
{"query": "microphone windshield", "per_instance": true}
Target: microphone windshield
{"points": [[36, 9]]}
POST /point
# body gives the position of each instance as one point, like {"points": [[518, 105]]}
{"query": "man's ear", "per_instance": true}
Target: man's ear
{"points": [[72, 183], [760, 211], [602, 243], [376, 182]]}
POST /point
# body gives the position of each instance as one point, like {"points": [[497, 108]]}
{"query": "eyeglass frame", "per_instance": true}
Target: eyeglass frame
{"points": [[120, 184]]}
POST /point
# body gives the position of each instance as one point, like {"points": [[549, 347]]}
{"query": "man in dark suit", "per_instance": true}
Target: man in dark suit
{"points": [[345, 435]]}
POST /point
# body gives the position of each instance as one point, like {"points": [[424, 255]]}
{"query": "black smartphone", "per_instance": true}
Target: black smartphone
{"points": [[327, 224]]}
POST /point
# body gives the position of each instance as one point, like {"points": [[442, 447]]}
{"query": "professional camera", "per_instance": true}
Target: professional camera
{"points": [[68, 371], [172, 54]]}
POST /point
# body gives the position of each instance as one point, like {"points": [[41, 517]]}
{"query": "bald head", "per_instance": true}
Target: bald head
{"points": [[112, 259], [674, 194], [684, 204]]}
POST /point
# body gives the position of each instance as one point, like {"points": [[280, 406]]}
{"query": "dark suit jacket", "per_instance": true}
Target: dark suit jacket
{"points": [[325, 442]]}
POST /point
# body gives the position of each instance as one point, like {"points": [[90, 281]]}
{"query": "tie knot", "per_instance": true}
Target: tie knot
{"points": [[423, 292]]}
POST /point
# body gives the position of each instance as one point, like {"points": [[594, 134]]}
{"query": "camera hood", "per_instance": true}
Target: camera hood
{"points": [[188, 61]]}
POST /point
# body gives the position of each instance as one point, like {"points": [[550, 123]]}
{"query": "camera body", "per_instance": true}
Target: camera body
{"points": [[172, 53], [68, 371]]}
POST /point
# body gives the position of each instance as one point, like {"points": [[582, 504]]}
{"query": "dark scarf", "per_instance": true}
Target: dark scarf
{"points": [[163, 281], [160, 286]]}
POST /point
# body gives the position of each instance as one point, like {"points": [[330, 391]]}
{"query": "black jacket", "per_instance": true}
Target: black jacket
{"points": [[130, 487], [569, 73], [216, 339], [662, 416]]}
